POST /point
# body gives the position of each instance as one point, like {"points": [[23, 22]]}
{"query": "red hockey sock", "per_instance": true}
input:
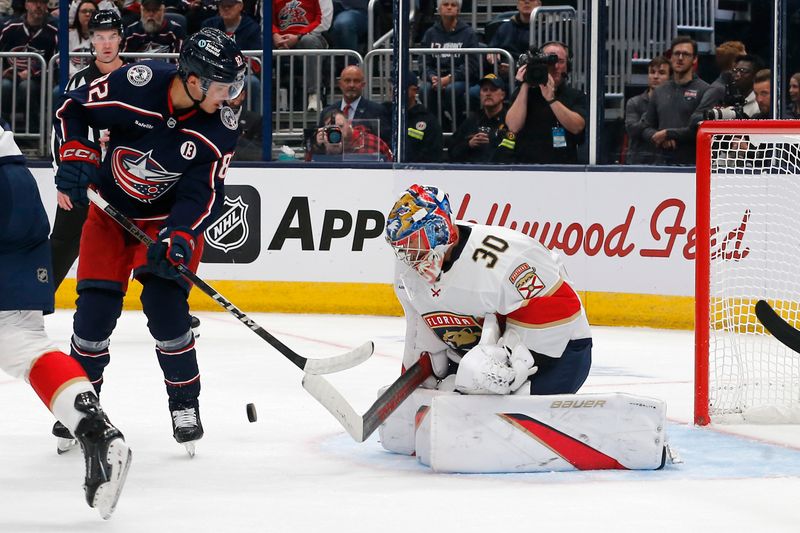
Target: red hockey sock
{"points": [[53, 372]]}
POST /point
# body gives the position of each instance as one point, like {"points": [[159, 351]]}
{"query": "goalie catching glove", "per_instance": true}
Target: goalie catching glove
{"points": [[173, 247], [500, 368], [79, 166]]}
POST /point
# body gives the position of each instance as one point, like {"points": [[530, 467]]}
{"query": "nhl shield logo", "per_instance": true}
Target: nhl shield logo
{"points": [[230, 230], [42, 275]]}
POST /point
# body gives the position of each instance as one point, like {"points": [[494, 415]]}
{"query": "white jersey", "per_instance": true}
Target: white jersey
{"points": [[492, 270]]}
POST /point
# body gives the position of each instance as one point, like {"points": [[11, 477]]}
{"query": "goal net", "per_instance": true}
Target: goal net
{"points": [[748, 248]]}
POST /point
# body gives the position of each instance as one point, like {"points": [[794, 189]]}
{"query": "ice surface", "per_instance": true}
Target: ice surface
{"points": [[296, 470]]}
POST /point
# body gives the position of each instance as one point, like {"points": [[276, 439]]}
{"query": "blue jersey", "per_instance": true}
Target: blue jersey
{"points": [[25, 281], [160, 163]]}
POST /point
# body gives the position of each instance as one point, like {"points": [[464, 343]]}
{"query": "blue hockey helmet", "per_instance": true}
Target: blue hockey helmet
{"points": [[215, 58]]}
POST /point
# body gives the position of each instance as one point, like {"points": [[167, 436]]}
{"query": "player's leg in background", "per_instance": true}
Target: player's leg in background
{"points": [[167, 309], [95, 319], [566, 374], [65, 240]]}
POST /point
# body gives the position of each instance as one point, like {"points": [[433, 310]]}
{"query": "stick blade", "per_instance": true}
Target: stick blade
{"points": [[341, 361], [321, 389], [777, 326]]}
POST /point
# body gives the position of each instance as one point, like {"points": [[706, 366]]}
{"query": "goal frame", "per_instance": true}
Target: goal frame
{"points": [[705, 134]]}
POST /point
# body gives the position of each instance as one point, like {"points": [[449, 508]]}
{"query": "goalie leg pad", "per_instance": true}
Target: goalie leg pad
{"points": [[483, 434], [398, 432]]}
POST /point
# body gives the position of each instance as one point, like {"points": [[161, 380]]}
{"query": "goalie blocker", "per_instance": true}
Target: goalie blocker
{"points": [[481, 434]]}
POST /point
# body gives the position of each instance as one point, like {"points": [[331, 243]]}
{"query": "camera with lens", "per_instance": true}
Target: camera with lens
{"points": [[733, 104], [537, 63], [333, 134]]}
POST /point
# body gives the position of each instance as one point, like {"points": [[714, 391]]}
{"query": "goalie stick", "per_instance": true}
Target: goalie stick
{"points": [[310, 366], [360, 427], [776, 325]]}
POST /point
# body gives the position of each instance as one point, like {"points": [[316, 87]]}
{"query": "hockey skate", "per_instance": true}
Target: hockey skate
{"points": [[107, 455], [64, 439], [186, 425], [195, 326]]}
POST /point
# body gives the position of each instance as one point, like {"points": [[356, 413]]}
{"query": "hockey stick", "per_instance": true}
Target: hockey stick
{"points": [[360, 427], [776, 325], [310, 366]]}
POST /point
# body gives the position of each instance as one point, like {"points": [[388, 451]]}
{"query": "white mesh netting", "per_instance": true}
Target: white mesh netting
{"points": [[755, 254]]}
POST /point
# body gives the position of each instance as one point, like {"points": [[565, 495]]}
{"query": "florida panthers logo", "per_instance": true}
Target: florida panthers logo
{"points": [[141, 176]]}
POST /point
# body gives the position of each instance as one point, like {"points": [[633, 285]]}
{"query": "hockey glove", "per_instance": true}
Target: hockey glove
{"points": [[519, 357], [485, 370], [173, 247], [80, 164]]}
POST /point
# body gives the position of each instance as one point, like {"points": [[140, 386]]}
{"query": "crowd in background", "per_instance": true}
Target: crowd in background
{"points": [[460, 107]]}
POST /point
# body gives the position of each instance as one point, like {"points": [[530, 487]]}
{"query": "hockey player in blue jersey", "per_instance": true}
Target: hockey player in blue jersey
{"points": [[171, 141], [26, 294]]}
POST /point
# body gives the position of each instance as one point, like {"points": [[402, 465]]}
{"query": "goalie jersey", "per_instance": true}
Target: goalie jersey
{"points": [[492, 270], [159, 164]]}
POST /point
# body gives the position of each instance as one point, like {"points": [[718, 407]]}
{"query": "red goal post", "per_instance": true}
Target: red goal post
{"points": [[748, 248]]}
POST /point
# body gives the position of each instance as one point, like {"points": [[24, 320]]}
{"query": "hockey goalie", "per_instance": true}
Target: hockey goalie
{"points": [[510, 347]]}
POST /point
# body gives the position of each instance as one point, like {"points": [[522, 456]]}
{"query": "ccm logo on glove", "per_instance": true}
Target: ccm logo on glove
{"points": [[76, 151]]}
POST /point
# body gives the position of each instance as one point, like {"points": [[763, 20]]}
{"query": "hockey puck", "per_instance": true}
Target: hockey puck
{"points": [[251, 412]]}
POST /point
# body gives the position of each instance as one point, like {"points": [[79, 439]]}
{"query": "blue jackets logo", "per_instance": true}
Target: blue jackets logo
{"points": [[141, 176]]}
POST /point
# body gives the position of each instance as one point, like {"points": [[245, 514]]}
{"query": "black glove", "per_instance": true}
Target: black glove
{"points": [[80, 164], [174, 246]]}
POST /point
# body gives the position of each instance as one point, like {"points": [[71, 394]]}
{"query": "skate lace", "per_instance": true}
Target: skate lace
{"points": [[185, 417]]}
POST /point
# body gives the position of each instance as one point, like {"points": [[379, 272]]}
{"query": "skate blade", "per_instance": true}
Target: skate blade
{"points": [[64, 445], [189, 447], [105, 498]]}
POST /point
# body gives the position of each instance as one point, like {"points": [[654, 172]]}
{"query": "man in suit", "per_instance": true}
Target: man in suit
{"points": [[355, 106]]}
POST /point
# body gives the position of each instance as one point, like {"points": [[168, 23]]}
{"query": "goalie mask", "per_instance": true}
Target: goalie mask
{"points": [[420, 228]]}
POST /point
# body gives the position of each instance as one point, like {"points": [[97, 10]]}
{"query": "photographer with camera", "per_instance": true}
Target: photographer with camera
{"points": [[484, 136], [338, 137], [739, 101], [669, 114], [547, 115]]}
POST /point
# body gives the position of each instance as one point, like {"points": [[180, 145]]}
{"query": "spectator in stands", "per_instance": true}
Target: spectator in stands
{"points": [[715, 95], [243, 29], [762, 87], [300, 25], [349, 27], [640, 150], [424, 133], [548, 119], [355, 106], [744, 75], [442, 79], [31, 32], [153, 32], [247, 34], [484, 136], [79, 41], [793, 109], [669, 115], [338, 136], [197, 11], [513, 35]]}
